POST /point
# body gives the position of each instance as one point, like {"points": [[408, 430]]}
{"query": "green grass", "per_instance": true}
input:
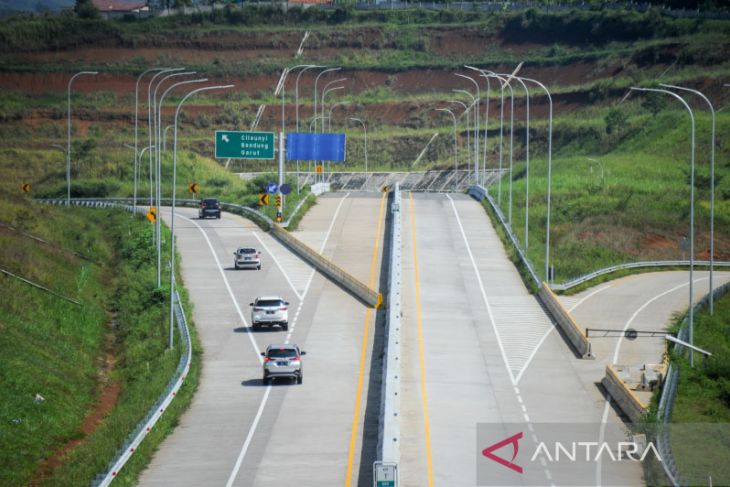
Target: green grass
{"points": [[54, 348], [704, 397], [638, 210]]}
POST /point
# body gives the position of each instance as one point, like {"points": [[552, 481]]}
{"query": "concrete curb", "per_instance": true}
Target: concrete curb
{"points": [[389, 421], [328, 268], [624, 397], [565, 321]]}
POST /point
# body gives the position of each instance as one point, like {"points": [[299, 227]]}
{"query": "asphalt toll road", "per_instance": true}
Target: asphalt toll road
{"points": [[643, 302], [478, 348], [238, 431]]}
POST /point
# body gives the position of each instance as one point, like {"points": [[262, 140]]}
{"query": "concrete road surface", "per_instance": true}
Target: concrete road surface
{"points": [[478, 348], [237, 431]]}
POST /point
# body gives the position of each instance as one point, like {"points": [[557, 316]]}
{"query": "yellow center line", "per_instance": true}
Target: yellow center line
{"points": [[421, 359], [363, 353]]}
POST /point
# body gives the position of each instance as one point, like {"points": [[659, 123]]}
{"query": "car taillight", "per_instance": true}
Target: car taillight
{"points": [[266, 359], [258, 309], [294, 358], [283, 309]]}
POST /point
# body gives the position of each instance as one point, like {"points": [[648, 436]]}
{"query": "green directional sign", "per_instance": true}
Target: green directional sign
{"points": [[244, 145]]}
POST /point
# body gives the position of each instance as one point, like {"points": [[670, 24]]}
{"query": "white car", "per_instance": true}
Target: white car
{"points": [[247, 257], [270, 311]]}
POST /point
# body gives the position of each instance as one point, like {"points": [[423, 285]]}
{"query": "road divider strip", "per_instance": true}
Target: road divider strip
{"points": [[389, 421], [575, 334], [363, 356], [340, 276], [624, 397]]}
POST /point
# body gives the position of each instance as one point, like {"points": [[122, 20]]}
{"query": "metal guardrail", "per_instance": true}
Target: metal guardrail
{"points": [[480, 193], [389, 421], [155, 413], [126, 203], [125, 452], [669, 394], [633, 265]]}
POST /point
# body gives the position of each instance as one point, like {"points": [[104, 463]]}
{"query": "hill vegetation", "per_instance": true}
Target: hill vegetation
{"points": [[620, 167], [81, 362]]}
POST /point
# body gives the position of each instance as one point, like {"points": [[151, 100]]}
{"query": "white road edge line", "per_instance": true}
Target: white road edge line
{"points": [[281, 268], [324, 242], [252, 429], [484, 294], [255, 423], [550, 330], [607, 405], [228, 286]]}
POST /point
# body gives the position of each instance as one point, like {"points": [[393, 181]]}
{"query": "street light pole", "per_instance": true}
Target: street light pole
{"points": [[476, 116], [365, 131], [137, 156], [486, 75], [327, 89], [550, 167], [468, 133], [324, 95], [157, 115], [476, 126], [141, 153], [164, 138], [712, 183], [456, 163], [332, 108], [296, 90], [158, 223], [296, 105], [151, 123], [691, 212], [68, 138], [527, 157], [316, 80], [174, 183]]}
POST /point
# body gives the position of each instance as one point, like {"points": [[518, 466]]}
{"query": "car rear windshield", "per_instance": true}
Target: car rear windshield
{"points": [[210, 202], [270, 302], [247, 251], [282, 353]]}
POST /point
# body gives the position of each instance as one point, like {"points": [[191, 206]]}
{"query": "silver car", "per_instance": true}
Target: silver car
{"points": [[283, 361], [246, 257], [270, 311]]}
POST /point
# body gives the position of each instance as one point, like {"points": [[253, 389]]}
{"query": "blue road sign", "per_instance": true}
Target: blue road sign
{"points": [[315, 147], [272, 188], [285, 189]]}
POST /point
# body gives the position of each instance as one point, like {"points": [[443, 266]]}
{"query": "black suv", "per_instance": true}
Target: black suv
{"points": [[209, 207]]}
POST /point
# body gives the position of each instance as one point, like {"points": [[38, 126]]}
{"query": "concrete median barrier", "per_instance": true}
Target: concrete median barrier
{"points": [[328, 268], [565, 321], [624, 397]]}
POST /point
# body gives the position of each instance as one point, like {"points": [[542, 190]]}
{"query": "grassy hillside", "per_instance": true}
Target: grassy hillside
{"points": [[399, 67], [77, 378]]}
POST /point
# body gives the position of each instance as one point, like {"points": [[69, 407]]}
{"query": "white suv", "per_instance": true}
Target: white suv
{"points": [[283, 361], [269, 311], [247, 257]]}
